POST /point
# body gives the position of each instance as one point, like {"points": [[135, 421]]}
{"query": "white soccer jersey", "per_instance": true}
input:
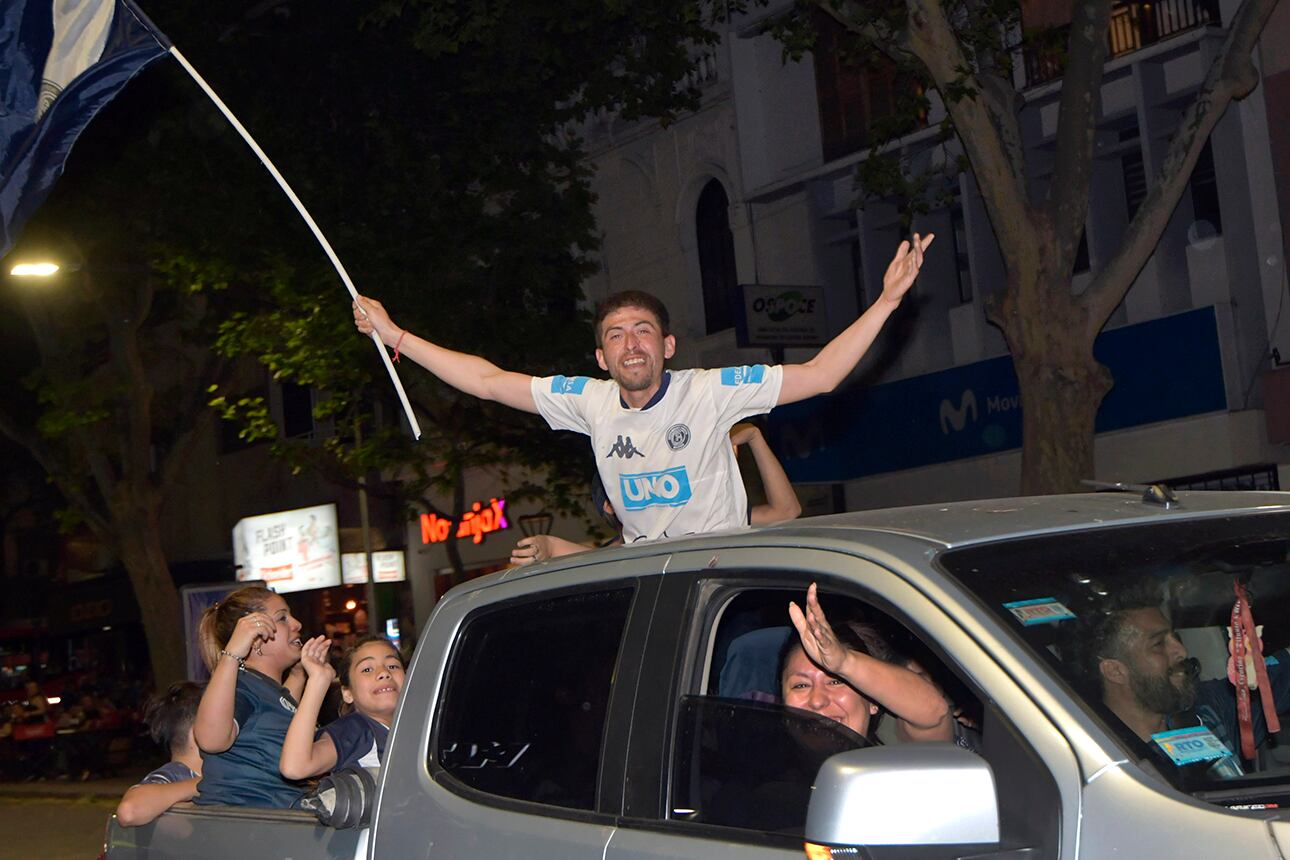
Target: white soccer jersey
{"points": [[668, 468]]}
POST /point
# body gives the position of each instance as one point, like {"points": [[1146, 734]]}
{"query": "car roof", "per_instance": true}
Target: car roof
{"points": [[955, 524], [936, 527]]}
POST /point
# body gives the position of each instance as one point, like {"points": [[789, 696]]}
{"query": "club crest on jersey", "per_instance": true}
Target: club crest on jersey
{"points": [[670, 488], [746, 375], [678, 436], [568, 384], [286, 704]]}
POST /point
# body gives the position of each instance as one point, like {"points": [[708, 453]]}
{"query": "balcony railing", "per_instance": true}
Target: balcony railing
{"points": [[1133, 26]]}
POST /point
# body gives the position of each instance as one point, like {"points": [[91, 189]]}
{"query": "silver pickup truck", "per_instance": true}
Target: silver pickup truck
{"points": [[623, 704]]}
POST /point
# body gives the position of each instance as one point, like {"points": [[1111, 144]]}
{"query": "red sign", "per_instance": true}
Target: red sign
{"points": [[475, 523]]}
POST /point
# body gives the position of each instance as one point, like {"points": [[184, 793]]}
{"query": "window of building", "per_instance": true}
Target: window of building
{"points": [[1134, 173], [961, 255], [230, 438], [1082, 263], [852, 93], [716, 245], [297, 410], [1204, 195], [526, 722]]}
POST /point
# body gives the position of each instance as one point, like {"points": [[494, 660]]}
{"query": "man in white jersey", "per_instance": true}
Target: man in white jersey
{"points": [[659, 436]]}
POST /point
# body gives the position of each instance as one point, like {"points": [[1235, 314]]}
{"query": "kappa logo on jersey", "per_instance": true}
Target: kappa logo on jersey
{"points": [[624, 450], [746, 375], [670, 488], [568, 384], [678, 436]]}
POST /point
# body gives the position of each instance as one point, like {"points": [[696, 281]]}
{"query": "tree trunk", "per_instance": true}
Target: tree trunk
{"points": [[138, 539], [1060, 396], [1050, 335]]}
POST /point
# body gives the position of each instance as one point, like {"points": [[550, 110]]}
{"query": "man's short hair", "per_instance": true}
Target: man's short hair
{"points": [[169, 715], [1102, 634], [630, 299]]}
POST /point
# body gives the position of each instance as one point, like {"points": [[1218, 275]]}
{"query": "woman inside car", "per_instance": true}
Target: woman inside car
{"points": [[833, 674]]}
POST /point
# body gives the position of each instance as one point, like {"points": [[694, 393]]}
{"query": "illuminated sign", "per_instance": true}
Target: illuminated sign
{"points": [[475, 523], [289, 550], [389, 566]]}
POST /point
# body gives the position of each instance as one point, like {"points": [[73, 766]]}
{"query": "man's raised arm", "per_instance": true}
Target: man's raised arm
{"points": [[463, 371], [831, 365]]}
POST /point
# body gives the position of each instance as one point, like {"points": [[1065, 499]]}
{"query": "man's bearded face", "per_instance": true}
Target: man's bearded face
{"points": [[1166, 692]]}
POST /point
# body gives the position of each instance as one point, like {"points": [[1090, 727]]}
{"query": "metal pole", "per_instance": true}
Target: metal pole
{"points": [[375, 624]]}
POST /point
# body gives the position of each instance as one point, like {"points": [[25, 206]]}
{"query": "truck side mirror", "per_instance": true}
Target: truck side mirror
{"points": [[908, 794]]}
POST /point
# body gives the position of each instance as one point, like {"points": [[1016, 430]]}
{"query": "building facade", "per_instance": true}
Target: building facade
{"points": [[757, 187]]}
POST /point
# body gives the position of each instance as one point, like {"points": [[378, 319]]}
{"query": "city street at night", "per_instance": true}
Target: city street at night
{"points": [[57, 820]]}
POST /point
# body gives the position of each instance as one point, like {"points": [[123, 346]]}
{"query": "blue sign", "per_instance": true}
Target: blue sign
{"points": [[1163, 369]]}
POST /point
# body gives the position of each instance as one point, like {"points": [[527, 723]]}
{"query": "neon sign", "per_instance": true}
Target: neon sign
{"points": [[475, 523]]}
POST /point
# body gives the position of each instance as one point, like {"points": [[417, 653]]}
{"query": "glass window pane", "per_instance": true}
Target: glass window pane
{"points": [[527, 694]]}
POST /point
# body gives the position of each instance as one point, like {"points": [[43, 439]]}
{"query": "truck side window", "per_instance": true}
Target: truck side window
{"points": [[743, 761], [523, 709]]}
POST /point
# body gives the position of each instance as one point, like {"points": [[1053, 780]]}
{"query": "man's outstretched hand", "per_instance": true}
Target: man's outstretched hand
{"points": [[903, 270]]}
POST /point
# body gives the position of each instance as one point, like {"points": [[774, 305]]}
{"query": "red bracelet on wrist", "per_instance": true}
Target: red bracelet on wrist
{"points": [[397, 343]]}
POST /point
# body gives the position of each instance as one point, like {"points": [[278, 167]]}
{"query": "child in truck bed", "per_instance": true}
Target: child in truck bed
{"points": [[371, 677], [169, 717]]}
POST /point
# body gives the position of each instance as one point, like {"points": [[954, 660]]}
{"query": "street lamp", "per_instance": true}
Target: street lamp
{"points": [[42, 269]]}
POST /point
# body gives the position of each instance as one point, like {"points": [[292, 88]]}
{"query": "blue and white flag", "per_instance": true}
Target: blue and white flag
{"points": [[61, 61]]}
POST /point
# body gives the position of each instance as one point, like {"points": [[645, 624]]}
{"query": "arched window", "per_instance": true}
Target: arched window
{"points": [[716, 257]]}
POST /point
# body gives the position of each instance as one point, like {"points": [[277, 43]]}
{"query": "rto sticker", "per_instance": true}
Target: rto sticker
{"points": [[1041, 610], [1190, 745]]}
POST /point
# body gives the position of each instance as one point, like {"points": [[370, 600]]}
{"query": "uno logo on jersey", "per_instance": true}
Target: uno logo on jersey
{"points": [[568, 384], [670, 487], [746, 375]]}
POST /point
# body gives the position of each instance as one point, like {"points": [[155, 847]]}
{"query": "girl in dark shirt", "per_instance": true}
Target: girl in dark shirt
{"points": [[372, 677]]}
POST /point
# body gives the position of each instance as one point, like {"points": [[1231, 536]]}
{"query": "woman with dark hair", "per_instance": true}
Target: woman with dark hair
{"points": [[834, 674]]}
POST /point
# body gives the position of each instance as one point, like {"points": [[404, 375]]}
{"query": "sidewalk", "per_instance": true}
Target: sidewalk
{"points": [[108, 788]]}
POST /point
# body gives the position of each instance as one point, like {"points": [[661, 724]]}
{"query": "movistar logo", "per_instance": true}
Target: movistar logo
{"points": [[958, 417], [624, 449], [647, 489]]}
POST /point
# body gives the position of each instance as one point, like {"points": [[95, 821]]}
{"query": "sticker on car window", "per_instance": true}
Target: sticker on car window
{"points": [[1190, 745], [1041, 610]]}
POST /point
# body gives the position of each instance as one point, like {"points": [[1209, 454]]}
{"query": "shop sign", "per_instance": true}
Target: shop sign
{"points": [[389, 566], [289, 550], [475, 523]]}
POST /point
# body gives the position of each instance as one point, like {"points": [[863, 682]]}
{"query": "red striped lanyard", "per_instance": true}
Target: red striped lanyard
{"points": [[1245, 640]]}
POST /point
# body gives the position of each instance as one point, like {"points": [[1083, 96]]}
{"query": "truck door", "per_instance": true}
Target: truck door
{"points": [[511, 698]]}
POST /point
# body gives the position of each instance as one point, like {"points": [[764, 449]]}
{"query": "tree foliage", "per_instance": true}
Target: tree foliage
{"points": [[436, 144]]}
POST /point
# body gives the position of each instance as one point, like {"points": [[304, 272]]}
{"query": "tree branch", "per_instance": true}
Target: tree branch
{"points": [[983, 113], [1231, 76], [1067, 199]]}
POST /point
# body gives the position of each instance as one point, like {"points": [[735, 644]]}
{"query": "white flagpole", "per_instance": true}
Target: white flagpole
{"points": [[304, 213]]}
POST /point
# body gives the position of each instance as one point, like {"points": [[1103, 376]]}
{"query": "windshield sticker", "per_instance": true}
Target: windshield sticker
{"points": [[1190, 745], [1041, 610]]}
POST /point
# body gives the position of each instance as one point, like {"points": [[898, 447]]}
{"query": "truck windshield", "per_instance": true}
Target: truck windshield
{"points": [[1136, 620]]}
